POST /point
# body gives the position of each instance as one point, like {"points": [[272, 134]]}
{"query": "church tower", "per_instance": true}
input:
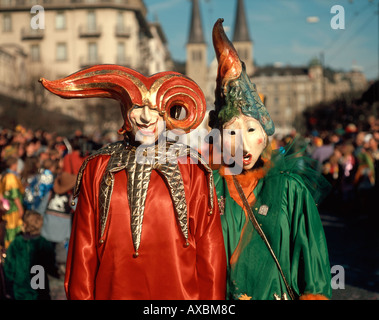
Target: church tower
{"points": [[241, 38], [196, 65]]}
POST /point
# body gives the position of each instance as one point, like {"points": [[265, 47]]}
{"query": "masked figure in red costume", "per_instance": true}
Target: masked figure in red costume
{"points": [[147, 224]]}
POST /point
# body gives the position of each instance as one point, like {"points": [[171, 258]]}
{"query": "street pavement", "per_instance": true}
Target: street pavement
{"points": [[353, 244]]}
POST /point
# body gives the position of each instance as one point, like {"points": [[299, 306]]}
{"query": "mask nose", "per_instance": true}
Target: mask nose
{"points": [[146, 114], [245, 146]]}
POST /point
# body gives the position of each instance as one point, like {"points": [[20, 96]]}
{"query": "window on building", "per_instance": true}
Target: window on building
{"points": [[35, 54], [92, 53], [91, 21], [61, 51], [120, 21], [197, 55], [7, 22], [244, 54], [6, 3], [121, 52], [60, 20]]}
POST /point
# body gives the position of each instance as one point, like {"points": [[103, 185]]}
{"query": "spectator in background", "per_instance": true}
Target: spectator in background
{"points": [[31, 147], [40, 186], [27, 250], [57, 217], [349, 168], [29, 179], [12, 189], [358, 142], [332, 169], [73, 161], [365, 178], [324, 150]]}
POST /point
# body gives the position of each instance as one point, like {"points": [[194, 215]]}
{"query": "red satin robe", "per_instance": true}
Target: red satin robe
{"points": [[165, 269]]}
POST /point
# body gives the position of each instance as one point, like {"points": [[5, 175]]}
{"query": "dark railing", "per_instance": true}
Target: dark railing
{"points": [[122, 31], [85, 31], [32, 34]]}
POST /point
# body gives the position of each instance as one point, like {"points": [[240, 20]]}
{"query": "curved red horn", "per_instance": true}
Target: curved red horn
{"points": [[101, 81]]}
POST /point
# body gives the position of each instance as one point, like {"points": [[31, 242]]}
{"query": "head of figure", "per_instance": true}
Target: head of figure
{"points": [[239, 111], [149, 105], [33, 222], [246, 133], [146, 124]]}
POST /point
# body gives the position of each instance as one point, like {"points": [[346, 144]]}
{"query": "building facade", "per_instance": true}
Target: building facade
{"points": [[288, 90], [59, 37]]}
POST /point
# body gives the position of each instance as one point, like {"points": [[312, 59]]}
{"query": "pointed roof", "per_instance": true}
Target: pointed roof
{"points": [[196, 30], [241, 30]]}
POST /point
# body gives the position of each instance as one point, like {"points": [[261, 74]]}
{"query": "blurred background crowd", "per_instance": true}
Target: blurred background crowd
{"points": [[38, 174]]}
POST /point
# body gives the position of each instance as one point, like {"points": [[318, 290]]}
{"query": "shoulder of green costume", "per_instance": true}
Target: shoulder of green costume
{"points": [[305, 177], [287, 175]]}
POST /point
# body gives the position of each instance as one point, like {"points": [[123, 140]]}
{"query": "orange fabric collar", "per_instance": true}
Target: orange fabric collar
{"points": [[248, 181]]}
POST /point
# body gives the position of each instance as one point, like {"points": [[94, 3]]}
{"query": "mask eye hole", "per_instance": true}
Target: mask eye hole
{"points": [[232, 132], [178, 112], [251, 130]]}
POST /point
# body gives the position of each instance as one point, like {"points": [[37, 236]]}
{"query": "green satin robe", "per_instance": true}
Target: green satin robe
{"points": [[293, 228]]}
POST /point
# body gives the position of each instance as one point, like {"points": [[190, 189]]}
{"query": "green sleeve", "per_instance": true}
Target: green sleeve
{"points": [[310, 268]]}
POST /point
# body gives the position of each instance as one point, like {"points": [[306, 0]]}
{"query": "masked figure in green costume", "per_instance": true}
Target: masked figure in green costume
{"points": [[274, 239]]}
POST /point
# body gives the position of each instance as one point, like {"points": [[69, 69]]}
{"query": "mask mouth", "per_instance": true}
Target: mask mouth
{"points": [[147, 129], [247, 159]]}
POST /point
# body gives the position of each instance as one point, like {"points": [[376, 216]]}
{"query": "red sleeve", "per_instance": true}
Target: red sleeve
{"points": [[210, 250], [82, 260]]}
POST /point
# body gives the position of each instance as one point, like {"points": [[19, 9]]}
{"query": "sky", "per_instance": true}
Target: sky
{"points": [[280, 31]]}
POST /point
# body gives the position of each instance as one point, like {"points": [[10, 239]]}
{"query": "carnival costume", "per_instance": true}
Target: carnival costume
{"points": [[274, 239], [146, 224], [11, 188]]}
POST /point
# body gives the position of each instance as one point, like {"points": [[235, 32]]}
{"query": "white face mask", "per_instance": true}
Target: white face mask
{"points": [[252, 135], [147, 124]]}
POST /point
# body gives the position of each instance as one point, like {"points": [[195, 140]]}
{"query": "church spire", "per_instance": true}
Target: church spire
{"points": [[196, 30], [241, 30]]}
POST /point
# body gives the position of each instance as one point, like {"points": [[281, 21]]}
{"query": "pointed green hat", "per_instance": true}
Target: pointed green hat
{"points": [[235, 92]]}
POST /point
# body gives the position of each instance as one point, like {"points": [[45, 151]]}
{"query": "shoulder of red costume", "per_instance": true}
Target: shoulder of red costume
{"points": [[103, 153], [195, 159]]}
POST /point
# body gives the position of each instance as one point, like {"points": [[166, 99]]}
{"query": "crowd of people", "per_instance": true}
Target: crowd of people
{"points": [[38, 173], [348, 158]]}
